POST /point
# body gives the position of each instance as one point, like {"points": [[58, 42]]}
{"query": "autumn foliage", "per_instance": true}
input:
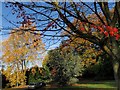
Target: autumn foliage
{"points": [[108, 31], [21, 48]]}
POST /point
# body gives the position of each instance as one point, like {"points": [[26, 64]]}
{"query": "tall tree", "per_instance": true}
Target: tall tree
{"points": [[61, 14]]}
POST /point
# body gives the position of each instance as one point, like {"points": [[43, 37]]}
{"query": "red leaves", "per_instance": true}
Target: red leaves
{"points": [[115, 30], [106, 30], [82, 29], [101, 29], [106, 33], [117, 36], [109, 28], [111, 33]]}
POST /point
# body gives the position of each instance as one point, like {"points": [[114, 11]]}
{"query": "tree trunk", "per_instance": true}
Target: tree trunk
{"points": [[116, 61], [116, 68]]}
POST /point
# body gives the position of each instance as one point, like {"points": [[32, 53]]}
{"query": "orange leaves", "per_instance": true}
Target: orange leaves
{"points": [[33, 28]]}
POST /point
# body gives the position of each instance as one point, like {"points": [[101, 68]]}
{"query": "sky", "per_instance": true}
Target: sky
{"points": [[7, 26], [10, 17], [0, 31], [6, 12], [60, 0]]}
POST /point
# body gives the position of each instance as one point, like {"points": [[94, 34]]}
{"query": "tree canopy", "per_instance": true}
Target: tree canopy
{"points": [[101, 18], [21, 48]]}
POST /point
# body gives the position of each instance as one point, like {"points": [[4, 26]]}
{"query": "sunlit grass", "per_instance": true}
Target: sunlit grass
{"points": [[92, 85], [97, 84], [83, 85]]}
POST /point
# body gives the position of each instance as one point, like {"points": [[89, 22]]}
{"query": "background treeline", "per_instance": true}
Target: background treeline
{"points": [[67, 67]]}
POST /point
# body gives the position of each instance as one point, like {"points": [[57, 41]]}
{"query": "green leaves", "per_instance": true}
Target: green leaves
{"points": [[63, 65]]}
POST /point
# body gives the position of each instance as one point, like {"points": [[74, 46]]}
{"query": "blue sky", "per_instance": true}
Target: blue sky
{"points": [[6, 12], [10, 17], [7, 26], [0, 30], [4, 24], [60, 0]]}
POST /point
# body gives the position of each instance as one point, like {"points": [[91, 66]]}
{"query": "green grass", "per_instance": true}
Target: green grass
{"points": [[98, 84], [84, 85], [90, 85]]}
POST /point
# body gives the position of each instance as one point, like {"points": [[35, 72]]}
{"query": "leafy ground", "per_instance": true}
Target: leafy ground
{"points": [[83, 85]]}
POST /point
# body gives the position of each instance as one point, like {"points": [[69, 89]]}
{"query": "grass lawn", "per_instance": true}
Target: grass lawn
{"points": [[97, 84], [90, 85], [83, 85]]}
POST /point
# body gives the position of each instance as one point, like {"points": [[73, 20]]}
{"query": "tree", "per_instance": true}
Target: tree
{"points": [[64, 13], [20, 48], [85, 49], [34, 75], [102, 70], [37, 74], [63, 66]]}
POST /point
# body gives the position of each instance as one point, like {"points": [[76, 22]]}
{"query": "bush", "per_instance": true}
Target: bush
{"points": [[37, 74], [73, 80], [63, 66]]}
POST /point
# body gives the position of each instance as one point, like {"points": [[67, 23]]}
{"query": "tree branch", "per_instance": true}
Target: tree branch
{"points": [[105, 9]]}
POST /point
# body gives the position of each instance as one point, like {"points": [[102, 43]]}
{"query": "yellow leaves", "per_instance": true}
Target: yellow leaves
{"points": [[87, 50], [19, 46], [17, 42], [10, 59], [45, 60], [41, 71], [7, 72], [21, 51], [15, 77], [56, 2], [30, 58]]}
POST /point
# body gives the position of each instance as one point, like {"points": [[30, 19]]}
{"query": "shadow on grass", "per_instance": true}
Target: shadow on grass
{"points": [[83, 85], [65, 89]]}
